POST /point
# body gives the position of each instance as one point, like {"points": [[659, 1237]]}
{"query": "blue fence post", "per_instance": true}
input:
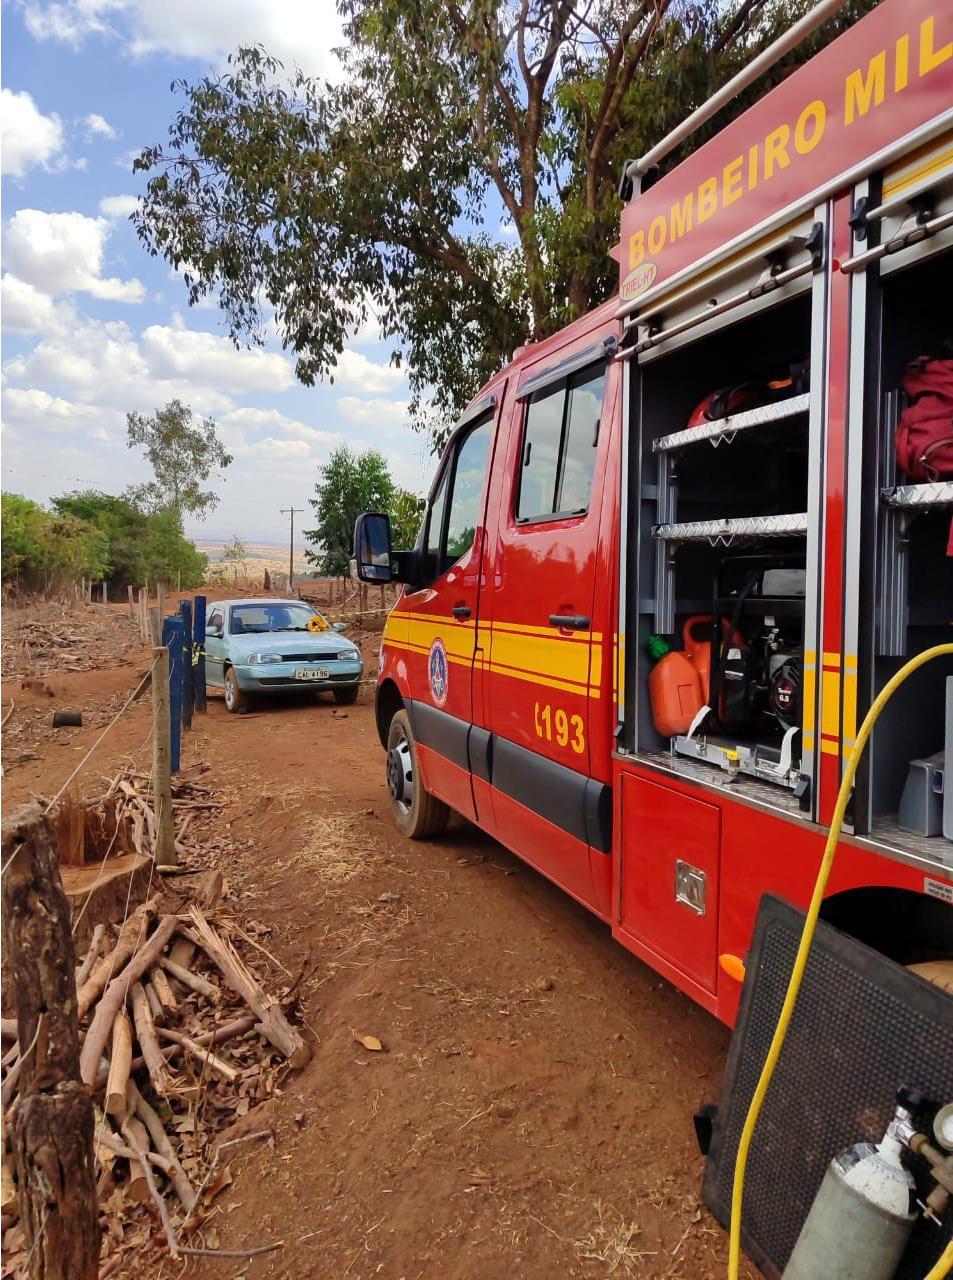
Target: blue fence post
{"points": [[188, 698], [172, 638], [198, 654]]}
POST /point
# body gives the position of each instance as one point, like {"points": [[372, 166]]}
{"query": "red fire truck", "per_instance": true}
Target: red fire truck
{"points": [[670, 556]]}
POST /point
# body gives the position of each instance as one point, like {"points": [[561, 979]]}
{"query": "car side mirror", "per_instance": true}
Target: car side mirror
{"points": [[214, 632], [372, 547], [339, 627]]}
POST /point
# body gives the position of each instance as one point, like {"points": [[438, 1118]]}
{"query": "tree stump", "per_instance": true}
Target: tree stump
{"points": [[53, 1117]]}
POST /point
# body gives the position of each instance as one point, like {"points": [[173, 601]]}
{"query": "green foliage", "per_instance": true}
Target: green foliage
{"points": [[122, 523], [168, 555], [94, 535], [349, 484], [44, 550], [406, 511], [182, 454], [380, 193]]}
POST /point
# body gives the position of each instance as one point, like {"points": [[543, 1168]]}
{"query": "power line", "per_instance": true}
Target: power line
{"points": [[46, 475]]}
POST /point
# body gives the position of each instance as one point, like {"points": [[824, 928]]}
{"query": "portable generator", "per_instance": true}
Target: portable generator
{"points": [[756, 685], [752, 722]]}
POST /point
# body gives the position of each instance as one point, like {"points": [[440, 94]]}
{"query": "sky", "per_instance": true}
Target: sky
{"points": [[94, 328]]}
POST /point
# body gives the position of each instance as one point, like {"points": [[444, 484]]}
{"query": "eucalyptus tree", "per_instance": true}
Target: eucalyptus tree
{"points": [[457, 182]]}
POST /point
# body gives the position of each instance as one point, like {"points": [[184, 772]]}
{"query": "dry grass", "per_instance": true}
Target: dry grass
{"points": [[442, 988], [333, 848], [612, 1242]]}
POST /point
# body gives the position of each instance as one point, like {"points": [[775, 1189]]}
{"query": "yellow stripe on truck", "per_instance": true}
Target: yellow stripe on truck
{"points": [[536, 655]]}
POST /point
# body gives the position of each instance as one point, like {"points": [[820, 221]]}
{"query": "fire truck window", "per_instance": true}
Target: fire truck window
{"points": [[579, 449], [467, 488], [435, 522], [544, 425]]}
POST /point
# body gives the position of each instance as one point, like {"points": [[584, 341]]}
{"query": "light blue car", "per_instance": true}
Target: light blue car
{"points": [[267, 646]]}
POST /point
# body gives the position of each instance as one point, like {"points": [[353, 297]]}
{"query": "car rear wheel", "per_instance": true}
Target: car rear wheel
{"points": [[418, 814], [345, 697], [235, 700]]}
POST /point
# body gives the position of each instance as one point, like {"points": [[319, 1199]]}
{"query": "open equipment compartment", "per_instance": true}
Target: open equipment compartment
{"points": [[723, 515], [907, 577]]}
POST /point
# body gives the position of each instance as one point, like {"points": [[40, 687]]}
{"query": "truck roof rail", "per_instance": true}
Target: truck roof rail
{"points": [[634, 170]]}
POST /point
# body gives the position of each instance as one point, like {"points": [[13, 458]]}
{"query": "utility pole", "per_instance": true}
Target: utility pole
{"points": [[290, 511]]}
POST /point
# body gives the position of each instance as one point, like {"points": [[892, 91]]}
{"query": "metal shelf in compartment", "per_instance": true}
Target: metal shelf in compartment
{"points": [[727, 530], [724, 430], [908, 497]]}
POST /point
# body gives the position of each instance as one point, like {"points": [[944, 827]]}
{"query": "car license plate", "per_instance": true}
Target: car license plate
{"points": [[312, 673]]}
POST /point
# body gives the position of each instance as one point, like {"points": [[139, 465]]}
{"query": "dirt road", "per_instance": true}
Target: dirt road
{"points": [[530, 1114]]}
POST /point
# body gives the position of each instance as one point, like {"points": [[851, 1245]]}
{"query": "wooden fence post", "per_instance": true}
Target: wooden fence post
{"points": [[53, 1120], [132, 601], [162, 760], [143, 614], [105, 594], [160, 603]]}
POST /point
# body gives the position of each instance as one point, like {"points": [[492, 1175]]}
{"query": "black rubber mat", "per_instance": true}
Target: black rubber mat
{"points": [[862, 1027]]}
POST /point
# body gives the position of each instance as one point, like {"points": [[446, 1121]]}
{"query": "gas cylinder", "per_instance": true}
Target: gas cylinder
{"points": [[862, 1215]]}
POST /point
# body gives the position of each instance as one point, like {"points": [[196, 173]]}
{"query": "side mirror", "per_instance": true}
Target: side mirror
{"points": [[372, 549], [339, 627], [214, 632]]}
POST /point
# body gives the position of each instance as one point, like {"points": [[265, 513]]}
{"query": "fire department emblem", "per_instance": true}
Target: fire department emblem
{"points": [[438, 672]]}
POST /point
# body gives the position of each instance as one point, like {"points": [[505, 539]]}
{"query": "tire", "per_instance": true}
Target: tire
{"points": [[235, 699], [422, 815], [347, 697]]}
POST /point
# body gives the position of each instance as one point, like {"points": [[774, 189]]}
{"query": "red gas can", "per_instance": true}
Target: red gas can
{"points": [[678, 683]]}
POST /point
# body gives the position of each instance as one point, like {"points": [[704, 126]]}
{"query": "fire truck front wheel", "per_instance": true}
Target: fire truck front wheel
{"points": [[418, 814]]}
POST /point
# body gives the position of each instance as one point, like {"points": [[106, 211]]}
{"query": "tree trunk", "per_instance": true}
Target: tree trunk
{"points": [[53, 1121]]}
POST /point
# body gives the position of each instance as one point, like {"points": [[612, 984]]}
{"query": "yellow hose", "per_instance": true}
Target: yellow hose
{"points": [[944, 1263]]}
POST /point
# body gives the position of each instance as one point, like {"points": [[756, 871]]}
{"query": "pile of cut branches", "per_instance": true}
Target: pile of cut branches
{"points": [[122, 818], [180, 1042], [49, 638]]}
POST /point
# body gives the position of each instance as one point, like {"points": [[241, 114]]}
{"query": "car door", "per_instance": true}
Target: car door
{"points": [[441, 617], [538, 605], [215, 647]]}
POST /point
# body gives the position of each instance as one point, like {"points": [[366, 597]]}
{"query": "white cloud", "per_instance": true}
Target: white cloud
{"points": [[28, 137], [69, 21], [98, 126], [374, 412], [271, 447], [31, 409], [63, 253], [195, 356], [354, 369], [104, 364], [27, 310], [118, 206], [249, 419], [302, 32]]}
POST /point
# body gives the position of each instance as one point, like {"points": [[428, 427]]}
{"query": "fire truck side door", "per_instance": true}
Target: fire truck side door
{"points": [[538, 603], [442, 616]]}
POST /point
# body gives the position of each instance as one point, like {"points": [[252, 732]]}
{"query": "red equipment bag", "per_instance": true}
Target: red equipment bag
{"points": [[925, 432], [748, 395]]}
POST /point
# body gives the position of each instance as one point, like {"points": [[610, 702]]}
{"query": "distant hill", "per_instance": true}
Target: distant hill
{"points": [[261, 555]]}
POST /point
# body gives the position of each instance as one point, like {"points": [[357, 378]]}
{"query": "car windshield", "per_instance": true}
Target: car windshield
{"points": [[256, 619]]}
